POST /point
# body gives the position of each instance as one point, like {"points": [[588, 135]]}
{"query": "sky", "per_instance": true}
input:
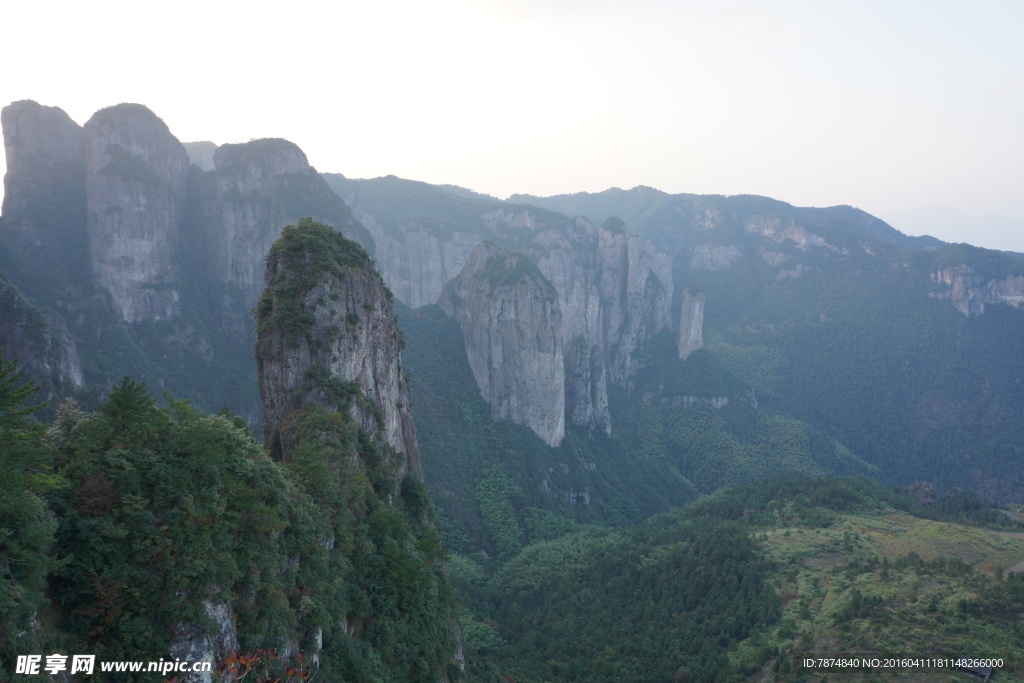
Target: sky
{"points": [[902, 108]]}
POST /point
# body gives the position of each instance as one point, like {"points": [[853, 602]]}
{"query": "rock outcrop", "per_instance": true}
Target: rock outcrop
{"points": [[419, 264], [423, 234], [969, 292], [136, 181], [646, 305], [327, 334], [511, 324], [336, 402], [122, 190], [257, 188], [779, 230], [614, 290], [571, 265], [691, 323]]}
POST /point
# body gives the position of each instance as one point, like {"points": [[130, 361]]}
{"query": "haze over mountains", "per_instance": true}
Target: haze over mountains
{"points": [[174, 261], [953, 225], [581, 359]]}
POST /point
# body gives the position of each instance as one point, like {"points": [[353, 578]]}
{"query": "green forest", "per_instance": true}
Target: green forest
{"points": [[128, 528], [110, 517]]}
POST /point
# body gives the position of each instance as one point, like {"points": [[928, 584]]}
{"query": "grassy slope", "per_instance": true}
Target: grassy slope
{"points": [[921, 611], [858, 569]]}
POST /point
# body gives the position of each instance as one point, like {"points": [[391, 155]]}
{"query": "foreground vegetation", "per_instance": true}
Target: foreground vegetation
{"points": [[124, 532]]}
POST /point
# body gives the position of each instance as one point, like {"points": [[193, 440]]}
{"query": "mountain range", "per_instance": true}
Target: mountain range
{"points": [[585, 359]]}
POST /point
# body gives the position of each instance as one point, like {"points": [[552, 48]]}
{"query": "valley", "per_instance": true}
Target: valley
{"points": [[628, 435]]}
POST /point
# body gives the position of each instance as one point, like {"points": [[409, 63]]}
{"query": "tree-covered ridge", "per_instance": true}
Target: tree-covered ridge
{"points": [[162, 515], [749, 580], [397, 204]]}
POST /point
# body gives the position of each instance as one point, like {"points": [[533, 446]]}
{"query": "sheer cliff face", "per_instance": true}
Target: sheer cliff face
{"points": [[614, 291], [691, 324], [255, 190], [511, 325], [970, 292], [326, 327], [419, 264], [44, 195], [571, 264], [135, 189]]}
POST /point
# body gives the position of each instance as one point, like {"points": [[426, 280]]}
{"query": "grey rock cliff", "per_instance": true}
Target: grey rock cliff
{"points": [[136, 190], [691, 323], [255, 190], [44, 197], [511, 324], [419, 265], [614, 291], [352, 337], [200, 643], [969, 292], [570, 264]]}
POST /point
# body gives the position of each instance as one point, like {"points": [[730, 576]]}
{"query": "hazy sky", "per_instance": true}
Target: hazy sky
{"points": [[889, 106]]}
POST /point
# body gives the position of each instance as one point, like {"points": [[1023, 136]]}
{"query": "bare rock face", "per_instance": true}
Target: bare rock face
{"points": [[714, 257], [44, 196], [327, 334], [647, 304], [614, 290], [691, 323], [419, 264], [136, 190], [511, 325], [778, 230], [969, 292], [570, 264], [257, 188]]}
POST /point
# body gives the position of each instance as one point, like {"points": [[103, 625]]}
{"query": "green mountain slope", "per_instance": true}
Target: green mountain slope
{"points": [[750, 582]]}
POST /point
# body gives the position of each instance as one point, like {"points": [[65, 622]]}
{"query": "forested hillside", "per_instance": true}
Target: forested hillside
{"points": [[630, 411], [745, 584]]}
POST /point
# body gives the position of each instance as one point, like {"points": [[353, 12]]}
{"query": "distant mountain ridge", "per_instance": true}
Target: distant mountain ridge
{"points": [[902, 351]]}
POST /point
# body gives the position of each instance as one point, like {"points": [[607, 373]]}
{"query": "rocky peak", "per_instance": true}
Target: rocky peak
{"points": [[256, 188], [136, 182], [511, 325], [44, 196], [271, 156], [327, 335], [45, 150]]}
